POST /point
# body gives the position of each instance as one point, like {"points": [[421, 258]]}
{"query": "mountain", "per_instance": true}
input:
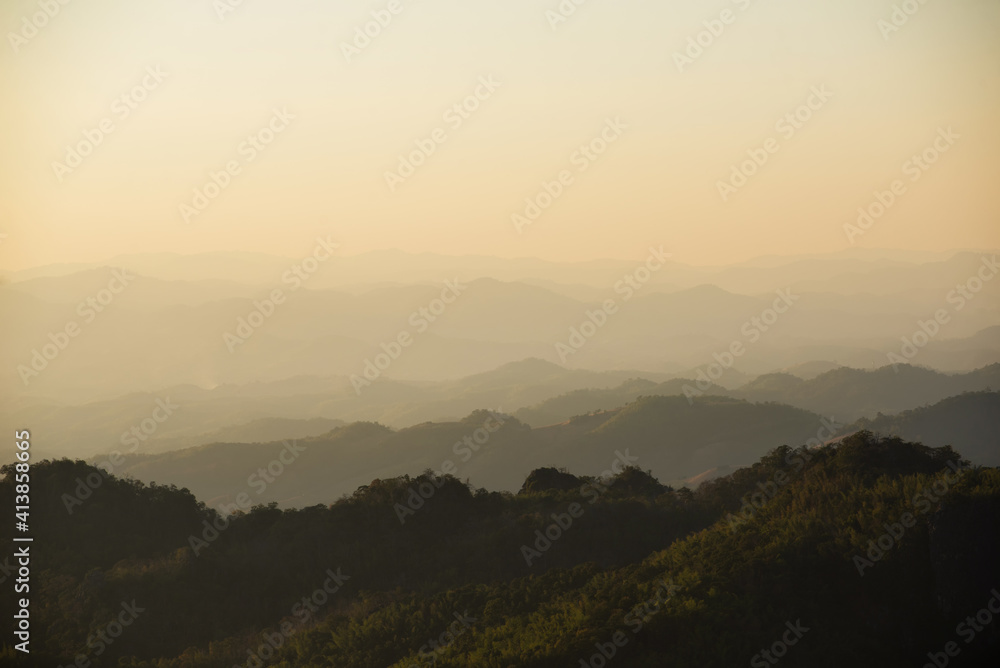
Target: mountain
{"points": [[667, 435], [580, 402], [849, 393], [842, 392], [161, 331], [204, 414], [894, 270], [780, 557], [271, 429], [809, 370], [971, 419]]}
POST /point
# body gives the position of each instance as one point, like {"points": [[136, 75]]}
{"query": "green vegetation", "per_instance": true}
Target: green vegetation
{"points": [[448, 584]]}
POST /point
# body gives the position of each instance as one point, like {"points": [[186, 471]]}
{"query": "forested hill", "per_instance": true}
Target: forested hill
{"points": [[872, 553], [671, 436], [971, 418]]}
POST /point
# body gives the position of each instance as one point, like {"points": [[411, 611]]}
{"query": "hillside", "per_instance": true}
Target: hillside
{"points": [[583, 401], [846, 394], [667, 435], [852, 393], [655, 576], [971, 419], [231, 412]]}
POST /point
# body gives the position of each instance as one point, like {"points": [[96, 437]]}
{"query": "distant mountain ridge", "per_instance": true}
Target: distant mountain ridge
{"points": [[971, 419], [844, 393], [536, 391], [667, 435], [506, 311]]}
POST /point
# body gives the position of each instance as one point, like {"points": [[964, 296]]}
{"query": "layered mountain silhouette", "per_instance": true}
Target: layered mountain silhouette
{"points": [[835, 556], [676, 439]]}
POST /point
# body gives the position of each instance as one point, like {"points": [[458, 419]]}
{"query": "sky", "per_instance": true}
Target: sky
{"points": [[673, 128]]}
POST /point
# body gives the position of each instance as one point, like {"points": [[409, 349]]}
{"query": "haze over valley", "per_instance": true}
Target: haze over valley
{"points": [[395, 334]]}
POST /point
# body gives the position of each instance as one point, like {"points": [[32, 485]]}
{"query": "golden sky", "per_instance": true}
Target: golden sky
{"points": [[610, 67]]}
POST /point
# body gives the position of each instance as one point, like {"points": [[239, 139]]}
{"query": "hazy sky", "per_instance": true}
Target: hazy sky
{"points": [[558, 88]]}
